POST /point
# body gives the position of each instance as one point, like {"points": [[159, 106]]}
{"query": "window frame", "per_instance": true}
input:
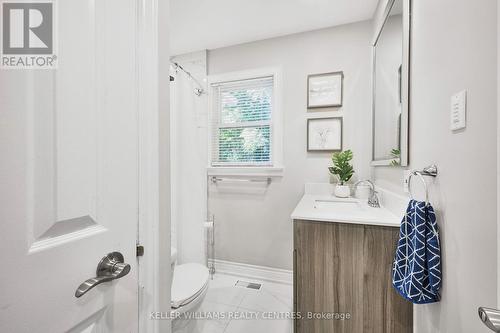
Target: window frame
{"points": [[275, 167]]}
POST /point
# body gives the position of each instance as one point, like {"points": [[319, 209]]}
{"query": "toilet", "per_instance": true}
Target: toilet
{"points": [[189, 286]]}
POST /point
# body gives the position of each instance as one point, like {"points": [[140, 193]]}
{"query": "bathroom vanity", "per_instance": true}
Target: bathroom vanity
{"points": [[343, 253]]}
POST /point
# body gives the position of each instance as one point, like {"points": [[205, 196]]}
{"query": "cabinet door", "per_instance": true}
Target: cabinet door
{"points": [[329, 276], [345, 270], [384, 310]]}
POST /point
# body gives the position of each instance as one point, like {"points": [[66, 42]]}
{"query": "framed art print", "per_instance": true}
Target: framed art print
{"points": [[324, 134], [324, 90]]}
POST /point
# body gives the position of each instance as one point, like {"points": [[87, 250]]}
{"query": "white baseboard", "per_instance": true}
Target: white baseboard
{"points": [[253, 272]]}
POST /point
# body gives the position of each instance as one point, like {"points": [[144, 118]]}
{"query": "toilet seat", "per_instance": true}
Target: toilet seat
{"points": [[189, 282]]}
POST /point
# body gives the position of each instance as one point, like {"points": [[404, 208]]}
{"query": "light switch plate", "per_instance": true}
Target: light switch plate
{"points": [[458, 110]]}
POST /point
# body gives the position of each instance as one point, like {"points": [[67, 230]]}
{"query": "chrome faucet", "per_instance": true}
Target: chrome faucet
{"points": [[373, 198]]}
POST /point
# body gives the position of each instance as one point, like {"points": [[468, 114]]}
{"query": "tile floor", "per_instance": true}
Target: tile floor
{"points": [[233, 302]]}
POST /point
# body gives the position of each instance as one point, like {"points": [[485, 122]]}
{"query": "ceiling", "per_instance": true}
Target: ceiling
{"points": [[210, 24]]}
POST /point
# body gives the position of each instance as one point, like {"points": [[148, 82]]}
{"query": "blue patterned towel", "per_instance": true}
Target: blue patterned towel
{"points": [[416, 273]]}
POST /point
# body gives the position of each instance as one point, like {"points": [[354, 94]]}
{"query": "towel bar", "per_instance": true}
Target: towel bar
{"points": [[430, 171], [215, 180]]}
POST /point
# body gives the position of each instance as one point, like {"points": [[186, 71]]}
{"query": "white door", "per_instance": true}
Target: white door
{"points": [[69, 176]]}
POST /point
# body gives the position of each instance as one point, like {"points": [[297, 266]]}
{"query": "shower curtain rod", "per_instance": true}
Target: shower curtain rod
{"points": [[199, 90]]}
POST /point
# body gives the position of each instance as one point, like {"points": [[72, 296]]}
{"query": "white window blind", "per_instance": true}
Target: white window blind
{"points": [[242, 122]]}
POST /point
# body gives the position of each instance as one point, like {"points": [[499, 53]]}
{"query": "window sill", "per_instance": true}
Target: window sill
{"points": [[246, 171]]}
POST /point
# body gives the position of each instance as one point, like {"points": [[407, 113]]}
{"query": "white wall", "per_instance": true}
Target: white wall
{"points": [[189, 156], [256, 228], [454, 48]]}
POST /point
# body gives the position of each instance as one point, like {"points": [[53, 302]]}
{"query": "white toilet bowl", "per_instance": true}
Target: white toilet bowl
{"points": [[189, 286]]}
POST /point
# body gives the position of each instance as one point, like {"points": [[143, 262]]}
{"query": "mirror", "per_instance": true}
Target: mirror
{"points": [[390, 83]]}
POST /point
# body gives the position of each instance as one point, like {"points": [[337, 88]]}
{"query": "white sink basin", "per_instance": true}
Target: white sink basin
{"points": [[337, 204], [349, 210]]}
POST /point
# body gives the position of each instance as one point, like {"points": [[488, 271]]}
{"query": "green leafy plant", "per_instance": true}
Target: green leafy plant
{"points": [[396, 155], [342, 168]]}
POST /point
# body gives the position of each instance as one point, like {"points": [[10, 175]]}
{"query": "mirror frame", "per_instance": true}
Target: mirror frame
{"points": [[385, 7]]}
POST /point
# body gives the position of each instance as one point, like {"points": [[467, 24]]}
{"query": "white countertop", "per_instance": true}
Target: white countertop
{"points": [[328, 208]]}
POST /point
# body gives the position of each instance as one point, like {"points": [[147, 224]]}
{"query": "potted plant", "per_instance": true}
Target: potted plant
{"points": [[342, 168]]}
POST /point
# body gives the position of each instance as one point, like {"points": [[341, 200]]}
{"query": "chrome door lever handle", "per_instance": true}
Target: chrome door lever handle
{"points": [[490, 317], [110, 268]]}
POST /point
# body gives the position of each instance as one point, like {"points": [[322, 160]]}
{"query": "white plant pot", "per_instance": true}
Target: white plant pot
{"points": [[342, 191]]}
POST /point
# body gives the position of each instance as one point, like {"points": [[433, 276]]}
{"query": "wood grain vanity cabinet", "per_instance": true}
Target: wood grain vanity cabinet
{"points": [[346, 268]]}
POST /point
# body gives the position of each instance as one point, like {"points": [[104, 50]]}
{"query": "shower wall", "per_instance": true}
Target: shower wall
{"points": [[189, 157]]}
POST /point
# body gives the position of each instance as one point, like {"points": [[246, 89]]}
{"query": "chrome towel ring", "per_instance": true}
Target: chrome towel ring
{"points": [[430, 171]]}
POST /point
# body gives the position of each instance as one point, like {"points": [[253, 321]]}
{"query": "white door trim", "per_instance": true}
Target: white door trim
{"points": [[154, 164], [498, 157]]}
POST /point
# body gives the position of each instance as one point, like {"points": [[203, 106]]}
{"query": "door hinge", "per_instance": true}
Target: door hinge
{"points": [[139, 251]]}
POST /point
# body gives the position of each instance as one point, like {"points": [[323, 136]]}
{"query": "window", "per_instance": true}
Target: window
{"points": [[243, 121]]}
